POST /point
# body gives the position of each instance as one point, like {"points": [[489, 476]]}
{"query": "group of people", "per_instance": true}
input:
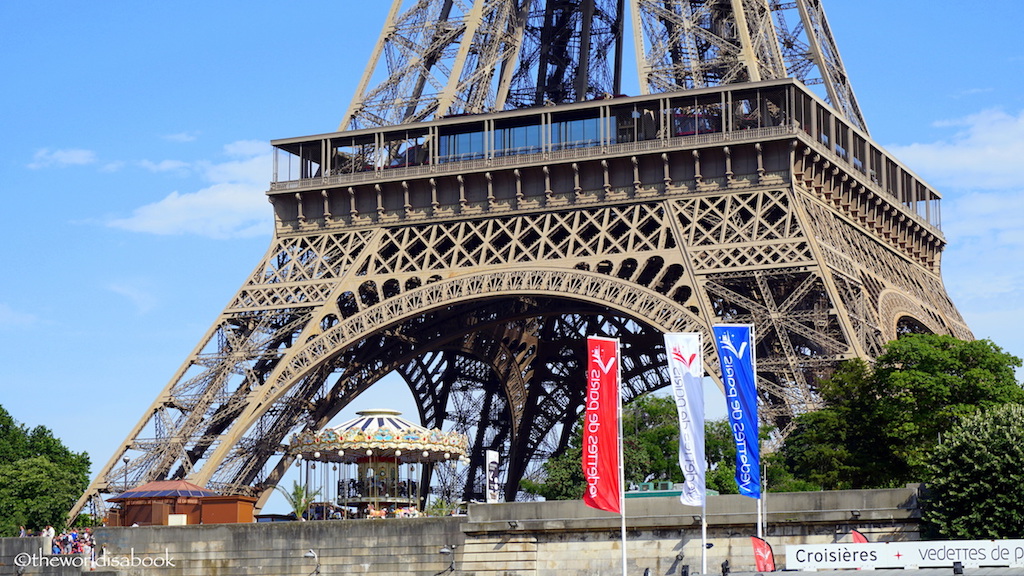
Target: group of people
{"points": [[67, 542], [392, 512], [353, 488]]}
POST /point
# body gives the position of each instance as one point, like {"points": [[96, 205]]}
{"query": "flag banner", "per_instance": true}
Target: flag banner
{"points": [[686, 371], [764, 558], [601, 426], [858, 537], [493, 477], [736, 356]]}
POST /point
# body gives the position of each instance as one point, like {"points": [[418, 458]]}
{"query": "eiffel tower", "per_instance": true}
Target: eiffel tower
{"points": [[491, 197]]}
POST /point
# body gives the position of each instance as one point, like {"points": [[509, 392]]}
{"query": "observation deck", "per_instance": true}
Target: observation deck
{"points": [[616, 149]]}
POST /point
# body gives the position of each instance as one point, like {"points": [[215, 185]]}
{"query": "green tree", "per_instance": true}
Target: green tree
{"points": [[881, 422], [650, 427], [30, 494], [975, 475], [720, 453], [299, 499], [563, 474], [40, 478]]}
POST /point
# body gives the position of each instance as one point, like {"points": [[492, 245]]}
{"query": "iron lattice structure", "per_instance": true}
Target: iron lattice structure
{"points": [[471, 255], [450, 57]]}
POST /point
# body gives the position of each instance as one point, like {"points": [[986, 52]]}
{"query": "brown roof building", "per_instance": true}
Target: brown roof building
{"points": [[178, 502]]}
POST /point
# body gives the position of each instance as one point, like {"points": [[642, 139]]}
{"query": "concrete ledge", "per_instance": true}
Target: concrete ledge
{"points": [[803, 508], [514, 539]]}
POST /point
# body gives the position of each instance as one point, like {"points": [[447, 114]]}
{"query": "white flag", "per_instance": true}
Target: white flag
{"points": [[493, 477], [686, 370]]}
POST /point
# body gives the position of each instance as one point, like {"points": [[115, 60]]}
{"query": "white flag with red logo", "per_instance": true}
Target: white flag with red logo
{"points": [[686, 371], [601, 426]]}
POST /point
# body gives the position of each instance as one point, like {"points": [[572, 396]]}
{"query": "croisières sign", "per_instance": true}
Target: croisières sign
{"points": [[934, 554]]}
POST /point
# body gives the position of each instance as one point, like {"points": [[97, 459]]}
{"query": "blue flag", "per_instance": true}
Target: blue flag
{"points": [[735, 346]]}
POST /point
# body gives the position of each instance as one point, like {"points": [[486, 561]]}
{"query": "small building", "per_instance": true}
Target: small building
{"points": [[178, 502]]}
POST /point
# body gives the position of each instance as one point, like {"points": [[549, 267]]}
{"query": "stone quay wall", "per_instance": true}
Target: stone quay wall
{"points": [[511, 539]]}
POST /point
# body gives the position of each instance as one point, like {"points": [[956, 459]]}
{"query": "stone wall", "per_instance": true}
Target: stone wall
{"points": [[569, 539], [514, 539]]}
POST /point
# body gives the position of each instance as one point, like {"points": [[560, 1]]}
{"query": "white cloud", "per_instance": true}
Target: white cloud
{"points": [[46, 158], [988, 215], [984, 152], [181, 137], [976, 169], [256, 170], [224, 210], [11, 318], [244, 148], [971, 92], [234, 205], [142, 299], [164, 165]]}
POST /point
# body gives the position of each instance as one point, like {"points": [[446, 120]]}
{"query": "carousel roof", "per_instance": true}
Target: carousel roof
{"points": [[370, 421], [379, 433]]}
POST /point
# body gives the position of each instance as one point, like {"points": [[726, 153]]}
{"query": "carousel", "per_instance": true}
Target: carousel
{"points": [[371, 465]]}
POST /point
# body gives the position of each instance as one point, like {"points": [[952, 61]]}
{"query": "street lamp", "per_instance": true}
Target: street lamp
{"points": [[313, 555], [126, 460], [448, 551]]}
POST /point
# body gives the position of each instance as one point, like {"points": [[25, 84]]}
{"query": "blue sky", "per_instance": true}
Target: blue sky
{"points": [[135, 158]]}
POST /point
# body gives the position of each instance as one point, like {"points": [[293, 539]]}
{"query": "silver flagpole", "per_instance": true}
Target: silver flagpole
{"points": [[764, 496], [622, 464], [704, 536], [760, 519]]}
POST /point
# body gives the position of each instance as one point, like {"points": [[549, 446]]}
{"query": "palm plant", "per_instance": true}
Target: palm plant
{"points": [[299, 498]]}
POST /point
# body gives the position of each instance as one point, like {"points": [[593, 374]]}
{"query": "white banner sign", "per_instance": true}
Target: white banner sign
{"points": [[935, 554], [686, 371]]}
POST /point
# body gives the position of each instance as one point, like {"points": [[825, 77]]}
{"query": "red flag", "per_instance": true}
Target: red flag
{"points": [[601, 426], [858, 537], [764, 558]]}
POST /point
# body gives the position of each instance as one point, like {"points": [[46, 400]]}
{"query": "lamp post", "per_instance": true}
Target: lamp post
{"points": [[448, 550], [126, 460], [314, 556]]}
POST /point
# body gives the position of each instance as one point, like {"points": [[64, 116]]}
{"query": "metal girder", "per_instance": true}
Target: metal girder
{"points": [[439, 57], [445, 57], [812, 56]]}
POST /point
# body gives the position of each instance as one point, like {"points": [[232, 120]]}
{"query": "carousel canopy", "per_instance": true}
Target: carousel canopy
{"points": [[379, 434]]}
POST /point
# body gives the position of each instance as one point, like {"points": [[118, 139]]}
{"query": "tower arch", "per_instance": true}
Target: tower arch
{"points": [[488, 307]]}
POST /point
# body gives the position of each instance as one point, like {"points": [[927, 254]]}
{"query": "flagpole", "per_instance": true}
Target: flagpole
{"points": [[704, 536], [597, 461], [684, 353], [760, 511], [761, 475], [762, 501], [622, 463]]}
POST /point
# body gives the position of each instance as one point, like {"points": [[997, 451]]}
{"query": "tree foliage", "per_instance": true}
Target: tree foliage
{"points": [[720, 454], [650, 427], [299, 499], [881, 422], [40, 479], [974, 477]]}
